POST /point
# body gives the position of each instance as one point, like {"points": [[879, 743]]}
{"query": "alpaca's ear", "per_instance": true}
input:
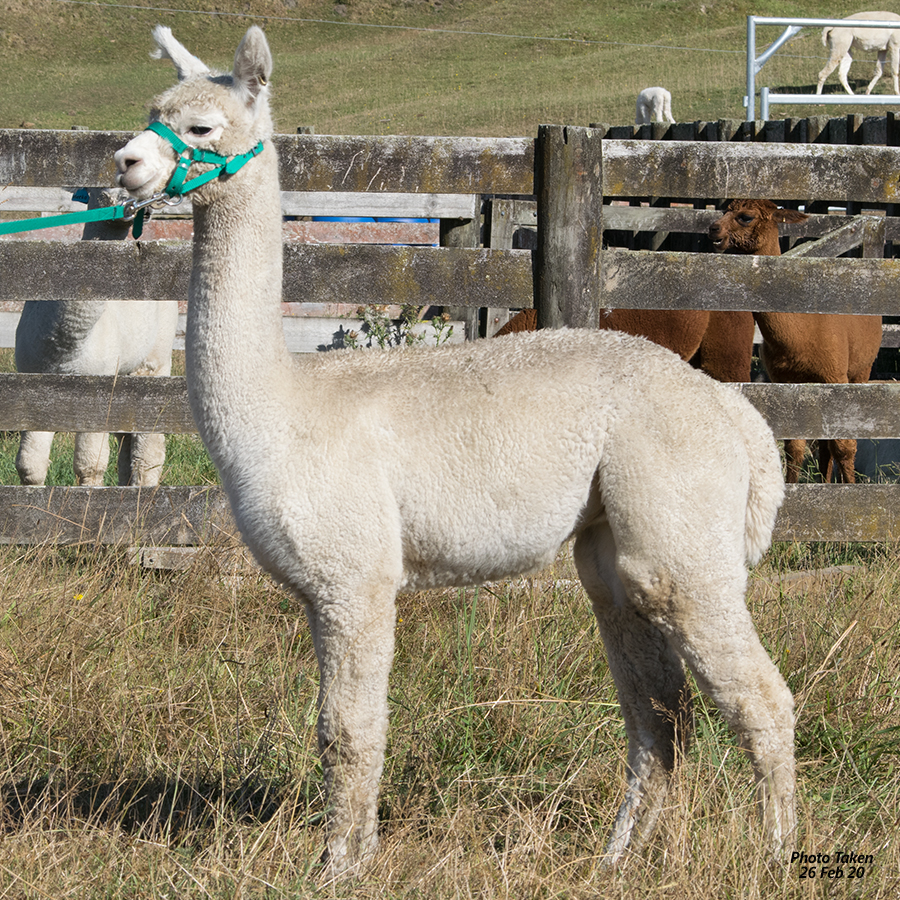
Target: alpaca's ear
{"points": [[186, 64], [252, 64], [790, 215]]}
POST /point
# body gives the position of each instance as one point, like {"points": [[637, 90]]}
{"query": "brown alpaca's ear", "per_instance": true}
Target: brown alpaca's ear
{"points": [[252, 64], [790, 215]]}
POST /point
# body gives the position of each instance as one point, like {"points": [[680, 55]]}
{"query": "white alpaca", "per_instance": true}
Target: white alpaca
{"points": [[667, 481], [843, 41], [654, 104], [96, 337]]}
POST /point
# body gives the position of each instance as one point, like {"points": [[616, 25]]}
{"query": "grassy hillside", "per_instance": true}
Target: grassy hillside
{"points": [[481, 67]]}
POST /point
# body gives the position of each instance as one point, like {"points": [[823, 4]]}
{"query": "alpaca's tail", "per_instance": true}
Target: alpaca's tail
{"points": [[766, 481], [826, 36]]}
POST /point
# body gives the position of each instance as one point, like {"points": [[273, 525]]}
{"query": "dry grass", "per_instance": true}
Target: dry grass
{"points": [[158, 740]]}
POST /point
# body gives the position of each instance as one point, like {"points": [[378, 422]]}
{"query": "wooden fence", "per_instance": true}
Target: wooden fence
{"points": [[578, 186]]}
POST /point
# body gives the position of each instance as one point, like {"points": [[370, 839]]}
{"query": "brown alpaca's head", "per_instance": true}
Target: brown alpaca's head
{"points": [[751, 227]]}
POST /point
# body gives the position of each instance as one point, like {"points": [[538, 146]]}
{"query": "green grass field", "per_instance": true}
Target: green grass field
{"points": [[427, 67], [157, 734]]}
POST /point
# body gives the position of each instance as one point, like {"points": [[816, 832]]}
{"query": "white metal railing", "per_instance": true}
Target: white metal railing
{"points": [[793, 26], [767, 99]]}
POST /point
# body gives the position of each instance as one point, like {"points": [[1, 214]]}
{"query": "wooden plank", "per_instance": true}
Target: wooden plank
{"points": [[173, 516], [665, 280], [430, 165], [754, 170], [513, 225], [143, 404], [94, 403], [496, 165], [839, 512], [448, 276], [697, 221], [35, 199], [293, 203], [828, 410], [463, 233], [857, 229], [327, 273], [190, 516], [459, 165], [59, 158], [386, 205]]}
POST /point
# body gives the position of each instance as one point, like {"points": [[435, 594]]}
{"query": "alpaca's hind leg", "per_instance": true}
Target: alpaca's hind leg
{"points": [[653, 693], [354, 641], [843, 71], [33, 458], [829, 67], [141, 458], [731, 666], [837, 460], [91, 458]]}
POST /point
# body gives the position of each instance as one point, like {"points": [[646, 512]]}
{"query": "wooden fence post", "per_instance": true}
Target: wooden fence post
{"points": [[567, 176], [462, 233]]}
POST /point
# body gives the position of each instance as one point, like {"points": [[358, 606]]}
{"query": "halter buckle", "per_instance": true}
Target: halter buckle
{"points": [[157, 201]]}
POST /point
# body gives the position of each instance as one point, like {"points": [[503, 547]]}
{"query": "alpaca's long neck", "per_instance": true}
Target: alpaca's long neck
{"points": [[235, 351]]}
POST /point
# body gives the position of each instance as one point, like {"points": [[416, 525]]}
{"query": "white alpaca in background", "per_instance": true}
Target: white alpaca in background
{"points": [[96, 337], [844, 40], [668, 481], [654, 104]]}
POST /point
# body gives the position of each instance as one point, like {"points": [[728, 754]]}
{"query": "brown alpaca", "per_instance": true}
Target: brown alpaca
{"points": [[719, 343], [801, 348]]}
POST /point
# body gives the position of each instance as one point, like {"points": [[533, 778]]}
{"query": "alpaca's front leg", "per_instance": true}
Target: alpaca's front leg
{"points": [[33, 458], [354, 643]]}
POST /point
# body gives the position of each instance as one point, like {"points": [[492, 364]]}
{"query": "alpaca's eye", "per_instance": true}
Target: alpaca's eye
{"points": [[744, 219], [199, 130]]}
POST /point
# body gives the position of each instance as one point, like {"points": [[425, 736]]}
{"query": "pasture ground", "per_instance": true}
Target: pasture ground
{"points": [[158, 739]]}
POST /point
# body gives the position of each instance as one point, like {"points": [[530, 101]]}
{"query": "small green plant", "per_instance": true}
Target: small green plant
{"points": [[380, 330]]}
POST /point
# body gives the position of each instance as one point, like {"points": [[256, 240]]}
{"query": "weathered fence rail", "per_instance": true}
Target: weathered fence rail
{"points": [[581, 186]]}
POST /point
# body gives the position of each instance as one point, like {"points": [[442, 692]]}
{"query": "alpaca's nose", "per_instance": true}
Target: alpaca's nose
{"points": [[125, 160]]}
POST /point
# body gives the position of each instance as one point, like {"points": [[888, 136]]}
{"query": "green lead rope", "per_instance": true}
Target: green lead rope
{"points": [[105, 213]]}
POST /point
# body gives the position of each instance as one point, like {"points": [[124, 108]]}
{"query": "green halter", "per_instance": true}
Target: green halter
{"points": [[188, 155], [136, 210]]}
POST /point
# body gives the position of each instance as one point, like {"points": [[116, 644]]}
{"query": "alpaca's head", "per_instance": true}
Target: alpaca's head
{"points": [[227, 114], [751, 227]]}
